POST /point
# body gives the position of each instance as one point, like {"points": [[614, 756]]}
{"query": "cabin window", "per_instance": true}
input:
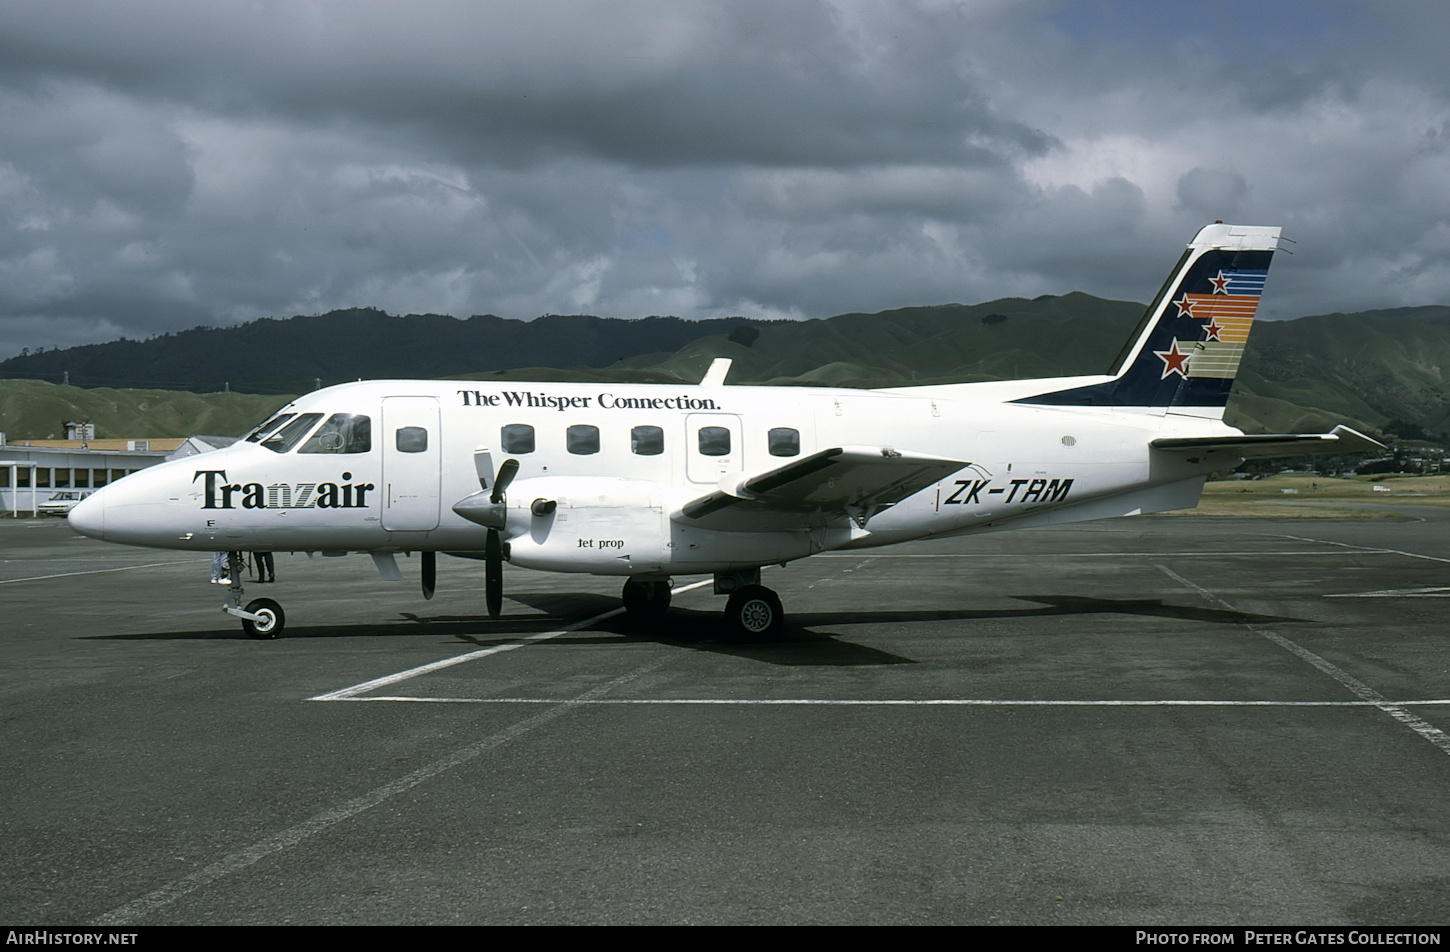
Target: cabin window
{"points": [[291, 434], [517, 438], [342, 433], [714, 441], [411, 439], [784, 441], [582, 439], [647, 441]]}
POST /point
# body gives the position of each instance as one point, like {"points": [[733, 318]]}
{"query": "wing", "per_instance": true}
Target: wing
{"points": [[1267, 445], [858, 481]]}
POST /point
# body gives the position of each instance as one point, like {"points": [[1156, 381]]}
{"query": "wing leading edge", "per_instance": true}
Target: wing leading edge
{"points": [[858, 481]]}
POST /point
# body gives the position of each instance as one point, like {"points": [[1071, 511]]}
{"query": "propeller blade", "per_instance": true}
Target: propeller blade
{"points": [[493, 574], [506, 474], [483, 466], [430, 573]]}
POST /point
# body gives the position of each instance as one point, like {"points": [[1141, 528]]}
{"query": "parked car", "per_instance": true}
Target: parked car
{"points": [[62, 502]]}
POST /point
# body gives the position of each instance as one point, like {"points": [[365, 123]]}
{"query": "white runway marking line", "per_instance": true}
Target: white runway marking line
{"points": [[352, 693], [1368, 548], [1356, 687], [124, 568], [1120, 554], [898, 702], [1428, 592], [356, 692], [1441, 592], [179, 888]]}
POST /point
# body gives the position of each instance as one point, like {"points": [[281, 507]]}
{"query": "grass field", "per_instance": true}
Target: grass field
{"points": [[1320, 497]]}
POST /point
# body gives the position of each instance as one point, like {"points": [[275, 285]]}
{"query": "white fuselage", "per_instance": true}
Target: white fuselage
{"points": [[620, 461]]}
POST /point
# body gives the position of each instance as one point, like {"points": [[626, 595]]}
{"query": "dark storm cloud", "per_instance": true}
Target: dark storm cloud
{"points": [[644, 84], [165, 164]]}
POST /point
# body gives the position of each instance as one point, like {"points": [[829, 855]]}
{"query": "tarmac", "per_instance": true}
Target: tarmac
{"points": [[1148, 721]]}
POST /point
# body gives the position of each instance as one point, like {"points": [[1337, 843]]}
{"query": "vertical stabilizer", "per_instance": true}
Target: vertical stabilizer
{"points": [[1186, 352]]}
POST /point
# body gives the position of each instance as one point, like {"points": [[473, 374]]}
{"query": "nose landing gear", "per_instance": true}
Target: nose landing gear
{"points": [[262, 618], [266, 621]]}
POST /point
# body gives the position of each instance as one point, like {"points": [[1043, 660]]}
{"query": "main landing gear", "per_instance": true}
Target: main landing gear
{"points": [[646, 601], [752, 611], [262, 618]]}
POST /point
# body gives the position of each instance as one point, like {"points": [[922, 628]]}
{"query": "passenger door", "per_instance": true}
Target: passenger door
{"points": [[412, 447], [713, 447]]}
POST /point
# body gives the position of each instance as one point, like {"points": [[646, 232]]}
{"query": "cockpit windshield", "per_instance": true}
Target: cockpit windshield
{"points": [[342, 433], [291, 434], [268, 427]]}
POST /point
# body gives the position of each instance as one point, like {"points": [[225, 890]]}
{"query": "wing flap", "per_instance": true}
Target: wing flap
{"points": [[1268, 445], [845, 480]]}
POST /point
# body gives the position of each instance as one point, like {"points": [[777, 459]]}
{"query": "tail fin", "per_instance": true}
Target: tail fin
{"points": [[1186, 352]]}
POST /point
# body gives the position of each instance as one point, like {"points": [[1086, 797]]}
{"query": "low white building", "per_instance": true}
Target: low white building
{"points": [[32, 470]]}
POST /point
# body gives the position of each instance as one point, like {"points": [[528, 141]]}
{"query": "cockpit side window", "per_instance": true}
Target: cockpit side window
{"points": [[291, 434], [342, 433], [269, 426]]}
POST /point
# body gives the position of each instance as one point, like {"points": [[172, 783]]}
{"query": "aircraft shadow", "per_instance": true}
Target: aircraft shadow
{"points": [[808, 640], [805, 641], [1055, 605]]}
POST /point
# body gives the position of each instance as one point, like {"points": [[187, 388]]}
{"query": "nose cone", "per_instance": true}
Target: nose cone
{"points": [[142, 509], [88, 517]]}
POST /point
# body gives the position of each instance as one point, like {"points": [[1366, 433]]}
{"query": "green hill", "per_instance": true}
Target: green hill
{"points": [[1369, 370], [303, 353], [36, 410], [1353, 366]]}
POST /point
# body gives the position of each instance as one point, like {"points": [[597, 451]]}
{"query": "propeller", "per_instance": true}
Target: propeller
{"points": [[491, 512], [493, 547], [493, 574], [430, 573]]}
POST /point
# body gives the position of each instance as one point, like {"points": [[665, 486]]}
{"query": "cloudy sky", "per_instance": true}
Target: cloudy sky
{"points": [[169, 164]]}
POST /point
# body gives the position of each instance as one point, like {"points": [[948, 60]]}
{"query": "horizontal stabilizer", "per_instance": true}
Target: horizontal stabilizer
{"points": [[1268, 445], [853, 480]]}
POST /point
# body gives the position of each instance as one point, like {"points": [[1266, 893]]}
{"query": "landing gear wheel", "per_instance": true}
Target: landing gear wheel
{"points": [[754, 612], [646, 602], [273, 621]]}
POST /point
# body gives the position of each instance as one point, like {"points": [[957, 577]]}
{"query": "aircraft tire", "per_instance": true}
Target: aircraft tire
{"points": [[754, 612], [646, 602], [272, 627]]}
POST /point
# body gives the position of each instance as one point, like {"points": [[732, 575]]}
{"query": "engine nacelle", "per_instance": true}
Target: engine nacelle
{"points": [[599, 525]]}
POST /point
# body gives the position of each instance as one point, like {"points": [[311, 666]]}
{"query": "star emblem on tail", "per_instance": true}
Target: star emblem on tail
{"points": [[1175, 361]]}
